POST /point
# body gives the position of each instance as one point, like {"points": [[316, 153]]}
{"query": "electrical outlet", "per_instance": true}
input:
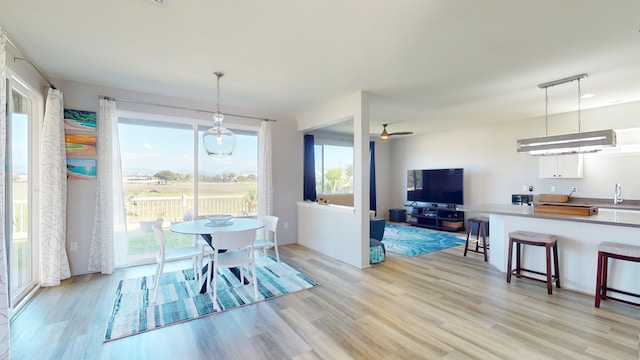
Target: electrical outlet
{"points": [[73, 246], [524, 187], [553, 189], [574, 189]]}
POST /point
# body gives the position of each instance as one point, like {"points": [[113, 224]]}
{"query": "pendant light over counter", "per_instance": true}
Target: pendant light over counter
{"points": [[577, 143], [218, 140]]}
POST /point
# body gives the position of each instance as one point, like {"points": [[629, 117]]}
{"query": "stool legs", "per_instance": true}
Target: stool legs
{"points": [[547, 250], [555, 264], [599, 279], [550, 277], [466, 245], [602, 288], [481, 232], [483, 229], [510, 261]]}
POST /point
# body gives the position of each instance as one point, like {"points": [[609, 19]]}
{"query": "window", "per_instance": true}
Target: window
{"points": [[334, 168], [167, 175], [21, 215]]}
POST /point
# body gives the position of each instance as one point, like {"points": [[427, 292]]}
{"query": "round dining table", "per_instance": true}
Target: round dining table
{"points": [[206, 229]]}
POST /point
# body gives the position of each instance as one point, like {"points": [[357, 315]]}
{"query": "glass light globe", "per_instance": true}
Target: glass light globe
{"points": [[218, 141]]}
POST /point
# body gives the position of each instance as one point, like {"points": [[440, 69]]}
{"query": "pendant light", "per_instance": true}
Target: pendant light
{"points": [[577, 143], [218, 140]]}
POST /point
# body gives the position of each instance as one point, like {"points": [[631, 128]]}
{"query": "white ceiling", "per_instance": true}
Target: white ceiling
{"points": [[429, 65]]}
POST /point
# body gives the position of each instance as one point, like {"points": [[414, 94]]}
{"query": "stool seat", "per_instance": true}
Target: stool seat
{"points": [[550, 242], [533, 237], [611, 250], [483, 225], [619, 249]]}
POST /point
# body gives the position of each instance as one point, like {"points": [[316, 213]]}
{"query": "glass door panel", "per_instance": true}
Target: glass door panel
{"points": [[229, 184], [157, 174], [19, 210]]}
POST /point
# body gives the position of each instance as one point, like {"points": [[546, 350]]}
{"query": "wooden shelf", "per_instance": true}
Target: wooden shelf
{"points": [[438, 218]]}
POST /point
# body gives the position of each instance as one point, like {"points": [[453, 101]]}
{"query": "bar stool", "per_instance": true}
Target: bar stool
{"points": [[535, 239], [483, 225], [618, 251]]}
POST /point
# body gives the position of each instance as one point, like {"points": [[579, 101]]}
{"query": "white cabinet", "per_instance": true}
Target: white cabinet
{"points": [[561, 166]]}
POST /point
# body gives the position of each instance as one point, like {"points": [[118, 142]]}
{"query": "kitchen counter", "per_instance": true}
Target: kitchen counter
{"points": [[578, 237], [619, 216]]}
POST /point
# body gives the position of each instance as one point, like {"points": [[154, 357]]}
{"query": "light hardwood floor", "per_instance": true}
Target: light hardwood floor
{"points": [[439, 305]]}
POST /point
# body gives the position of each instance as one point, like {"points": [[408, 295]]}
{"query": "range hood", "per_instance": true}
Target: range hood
{"points": [[579, 143]]}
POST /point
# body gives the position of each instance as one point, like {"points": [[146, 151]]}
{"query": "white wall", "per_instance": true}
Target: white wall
{"points": [[354, 248], [494, 170]]}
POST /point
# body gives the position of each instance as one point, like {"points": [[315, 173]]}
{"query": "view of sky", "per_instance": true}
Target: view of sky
{"points": [[150, 149], [19, 143]]}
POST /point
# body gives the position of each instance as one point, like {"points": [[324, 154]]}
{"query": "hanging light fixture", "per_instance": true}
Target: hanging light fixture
{"points": [[218, 140], [578, 143]]}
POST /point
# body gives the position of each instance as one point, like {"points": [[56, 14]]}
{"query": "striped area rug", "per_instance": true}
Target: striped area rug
{"points": [[414, 241], [179, 299]]}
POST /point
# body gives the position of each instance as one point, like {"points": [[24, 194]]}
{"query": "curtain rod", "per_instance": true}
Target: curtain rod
{"points": [[27, 59], [181, 108]]}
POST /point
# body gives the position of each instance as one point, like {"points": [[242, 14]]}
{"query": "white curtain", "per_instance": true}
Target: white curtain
{"points": [[54, 264], [265, 187], [109, 242], [4, 289]]}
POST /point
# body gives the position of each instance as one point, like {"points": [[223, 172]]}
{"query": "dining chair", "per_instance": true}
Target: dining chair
{"points": [[269, 236], [238, 251], [206, 249], [193, 252]]}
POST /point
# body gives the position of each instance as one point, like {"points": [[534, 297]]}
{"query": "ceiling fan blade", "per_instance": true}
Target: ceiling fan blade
{"points": [[402, 133]]}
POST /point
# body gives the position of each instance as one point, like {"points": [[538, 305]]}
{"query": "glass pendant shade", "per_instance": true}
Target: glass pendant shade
{"points": [[218, 140]]}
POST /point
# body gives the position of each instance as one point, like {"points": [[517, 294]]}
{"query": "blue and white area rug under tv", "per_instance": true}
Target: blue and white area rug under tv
{"points": [[414, 241]]}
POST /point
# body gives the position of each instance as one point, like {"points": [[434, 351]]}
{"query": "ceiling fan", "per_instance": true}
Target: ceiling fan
{"points": [[385, 135]]}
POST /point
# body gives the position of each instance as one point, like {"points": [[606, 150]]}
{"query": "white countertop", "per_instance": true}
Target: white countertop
{"points": [[605, 216]]}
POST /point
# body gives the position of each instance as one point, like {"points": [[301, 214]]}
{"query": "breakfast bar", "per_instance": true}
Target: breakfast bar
{"points": [[578, 236]]}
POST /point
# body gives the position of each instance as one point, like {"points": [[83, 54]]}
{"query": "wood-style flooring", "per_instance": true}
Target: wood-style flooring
{"points": [[438, 305]]}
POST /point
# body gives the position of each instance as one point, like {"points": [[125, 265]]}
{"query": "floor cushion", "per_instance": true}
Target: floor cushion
{"points": [[377, 251]]}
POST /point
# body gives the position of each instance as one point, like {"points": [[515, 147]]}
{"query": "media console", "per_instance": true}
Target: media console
{"points": [[438, 217]]}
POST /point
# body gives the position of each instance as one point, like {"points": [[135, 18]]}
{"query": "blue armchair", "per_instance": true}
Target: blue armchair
{"points": [[377, 252]]}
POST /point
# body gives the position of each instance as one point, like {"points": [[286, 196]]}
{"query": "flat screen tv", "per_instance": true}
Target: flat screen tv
{"points": [[444, 186]]}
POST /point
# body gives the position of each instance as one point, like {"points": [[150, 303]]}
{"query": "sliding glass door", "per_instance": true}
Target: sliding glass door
{"points": [[20, 180], [166, 175]]}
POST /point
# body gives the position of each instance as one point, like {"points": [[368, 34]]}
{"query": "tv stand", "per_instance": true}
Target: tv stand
{"points": [[438, 217]]}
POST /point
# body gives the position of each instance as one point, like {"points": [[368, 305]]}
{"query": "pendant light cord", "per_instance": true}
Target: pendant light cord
{"points": [[218, 75], [546, 111], [579, 101]]}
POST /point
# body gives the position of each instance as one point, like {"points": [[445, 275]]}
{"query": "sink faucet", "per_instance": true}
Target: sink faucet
{"points": [[617, 196]]}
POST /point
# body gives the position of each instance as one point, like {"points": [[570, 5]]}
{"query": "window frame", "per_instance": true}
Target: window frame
{"points": [[321, 141], [196, 126]]}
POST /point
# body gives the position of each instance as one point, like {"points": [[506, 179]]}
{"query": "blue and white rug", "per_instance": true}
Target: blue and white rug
{"points": [[179, 297], [414, 241]]}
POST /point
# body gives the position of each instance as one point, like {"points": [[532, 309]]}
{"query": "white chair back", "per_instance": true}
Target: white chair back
{"points": [[268, 235], [233, 240], [270, 226]]}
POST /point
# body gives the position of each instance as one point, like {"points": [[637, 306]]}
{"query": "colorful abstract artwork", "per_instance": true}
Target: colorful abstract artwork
{"points": [[80, 144], [81, 169], [79, 120]]}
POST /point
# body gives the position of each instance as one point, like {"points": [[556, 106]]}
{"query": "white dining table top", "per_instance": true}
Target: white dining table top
{"points": [[204, 226]]}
